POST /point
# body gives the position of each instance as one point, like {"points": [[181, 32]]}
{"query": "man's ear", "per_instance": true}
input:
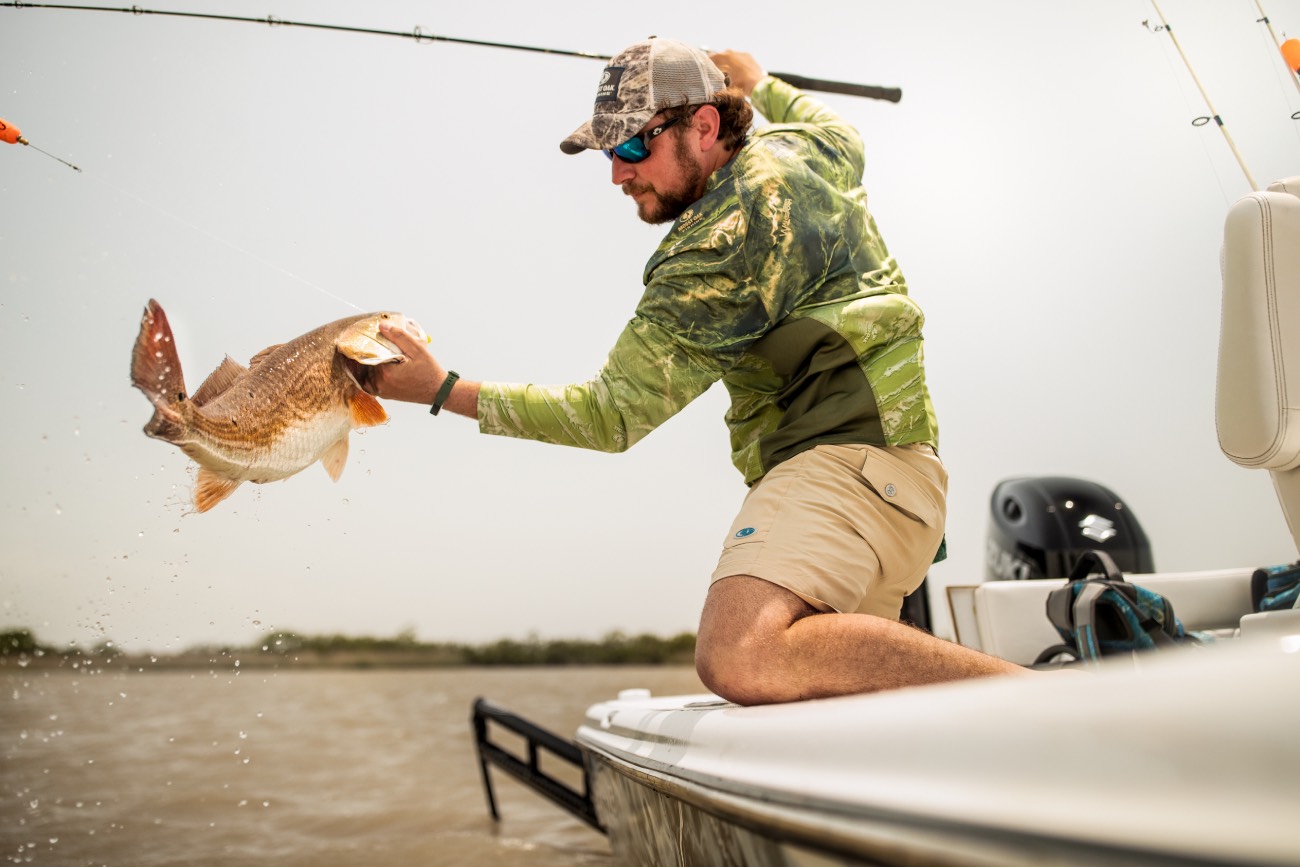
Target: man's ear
{"points": [[707, 122]]}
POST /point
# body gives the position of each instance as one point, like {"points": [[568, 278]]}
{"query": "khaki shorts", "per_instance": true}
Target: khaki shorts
{"points": [[847, 528]]}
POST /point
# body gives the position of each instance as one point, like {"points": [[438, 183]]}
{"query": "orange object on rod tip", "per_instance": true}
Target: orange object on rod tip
{"points": [[1291, 54], [10, 133]]}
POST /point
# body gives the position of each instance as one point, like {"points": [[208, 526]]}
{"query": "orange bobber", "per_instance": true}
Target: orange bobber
{"points": [[1291, 54], [10, 133]]}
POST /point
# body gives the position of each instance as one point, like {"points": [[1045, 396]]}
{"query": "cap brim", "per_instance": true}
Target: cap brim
{"points": [[605, 131], [580, 140]]}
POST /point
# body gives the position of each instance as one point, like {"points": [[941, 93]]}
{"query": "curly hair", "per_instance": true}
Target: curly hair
{"points": [[735, 115]]}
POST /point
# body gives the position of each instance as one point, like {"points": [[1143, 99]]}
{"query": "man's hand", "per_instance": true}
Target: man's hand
{"points": [[742, 68], [417, 378]]}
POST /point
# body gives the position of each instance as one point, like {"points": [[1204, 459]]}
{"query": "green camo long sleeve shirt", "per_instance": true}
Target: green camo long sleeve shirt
{"points": [[776, 282]]}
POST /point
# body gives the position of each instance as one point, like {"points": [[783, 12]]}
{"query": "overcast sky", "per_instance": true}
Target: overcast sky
{"points": [[1054, 209]]}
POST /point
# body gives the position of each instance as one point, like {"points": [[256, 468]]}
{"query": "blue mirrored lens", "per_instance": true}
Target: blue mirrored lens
{"points": [[637, 147], [631, 151]]}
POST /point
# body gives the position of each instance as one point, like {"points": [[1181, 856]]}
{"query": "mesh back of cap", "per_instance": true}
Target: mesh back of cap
{"points": [[678, 76]]}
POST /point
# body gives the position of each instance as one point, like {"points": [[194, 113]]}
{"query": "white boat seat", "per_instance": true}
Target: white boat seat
{"points": [[1257, 405], [1010, 617]]}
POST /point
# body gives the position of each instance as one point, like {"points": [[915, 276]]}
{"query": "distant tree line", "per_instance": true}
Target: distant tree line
{"points": [[404, 649]]}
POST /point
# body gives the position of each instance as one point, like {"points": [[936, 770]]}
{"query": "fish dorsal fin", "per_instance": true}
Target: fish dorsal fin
{"points": [[211, 489], [366, 410], [335, 457], [261, 356], [219, 380]]}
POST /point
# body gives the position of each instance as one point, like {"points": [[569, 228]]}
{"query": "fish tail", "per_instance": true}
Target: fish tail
{"points": [[156, 371]]}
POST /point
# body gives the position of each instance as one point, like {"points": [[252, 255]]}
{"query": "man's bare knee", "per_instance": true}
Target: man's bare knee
{"points": [[738, 651], [735, 674]]}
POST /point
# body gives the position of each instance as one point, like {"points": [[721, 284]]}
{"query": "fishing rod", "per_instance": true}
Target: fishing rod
{"points": [[1290, 50], [870, 91], [1214, 115]]}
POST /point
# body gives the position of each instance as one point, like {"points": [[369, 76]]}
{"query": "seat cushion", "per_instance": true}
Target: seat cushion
{"points": [[1257, 403]]}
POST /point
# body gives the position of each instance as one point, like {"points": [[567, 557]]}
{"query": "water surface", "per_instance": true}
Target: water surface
{"points": [[256, 767]]}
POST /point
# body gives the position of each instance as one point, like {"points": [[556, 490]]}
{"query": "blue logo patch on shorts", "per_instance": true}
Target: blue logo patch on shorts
{"points": [[748, 531]]}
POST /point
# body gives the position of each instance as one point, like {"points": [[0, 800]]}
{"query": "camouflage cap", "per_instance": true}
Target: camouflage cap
{"points": [[639, 82]]}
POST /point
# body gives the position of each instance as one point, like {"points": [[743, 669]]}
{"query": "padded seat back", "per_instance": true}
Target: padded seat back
{"points": [[1257, 401]]}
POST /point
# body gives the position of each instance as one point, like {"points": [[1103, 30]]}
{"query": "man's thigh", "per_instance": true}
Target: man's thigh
{"points": [[844, 528]]}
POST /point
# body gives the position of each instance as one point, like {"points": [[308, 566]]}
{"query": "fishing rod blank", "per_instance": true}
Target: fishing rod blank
{"points": [[871, 91], [1214, 115]]}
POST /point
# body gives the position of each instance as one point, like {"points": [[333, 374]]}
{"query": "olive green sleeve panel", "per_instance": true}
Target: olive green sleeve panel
{"points": [[648, 378]]}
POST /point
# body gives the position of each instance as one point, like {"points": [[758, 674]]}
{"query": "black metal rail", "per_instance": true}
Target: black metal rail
{"points": [[528, 770]]}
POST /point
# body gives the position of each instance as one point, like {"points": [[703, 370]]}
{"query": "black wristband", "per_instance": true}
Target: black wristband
{"points": [[444, 391]]}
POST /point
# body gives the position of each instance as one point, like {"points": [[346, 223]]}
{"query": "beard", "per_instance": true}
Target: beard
{"points": [[666, 205]]}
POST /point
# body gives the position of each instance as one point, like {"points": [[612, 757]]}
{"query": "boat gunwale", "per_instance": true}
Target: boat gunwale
{"points": [[888, 836]]}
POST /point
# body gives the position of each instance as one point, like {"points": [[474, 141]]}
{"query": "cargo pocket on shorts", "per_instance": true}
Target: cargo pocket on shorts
{"points": [[902, 487]]}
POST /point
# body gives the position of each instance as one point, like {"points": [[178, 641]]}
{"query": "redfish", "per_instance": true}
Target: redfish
{"points": [[294, 404]]}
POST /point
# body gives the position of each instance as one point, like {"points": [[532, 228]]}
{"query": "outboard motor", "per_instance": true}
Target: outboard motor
{"points": [[1040, 526]]}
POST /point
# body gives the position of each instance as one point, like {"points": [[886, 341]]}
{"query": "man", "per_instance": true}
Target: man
{"points": [[773, 279]]}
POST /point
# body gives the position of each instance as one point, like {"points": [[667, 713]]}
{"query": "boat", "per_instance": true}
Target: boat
{"points": [[1182, 755]]}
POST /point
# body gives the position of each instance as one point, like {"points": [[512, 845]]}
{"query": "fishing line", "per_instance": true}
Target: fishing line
{"points": [[11, 134], [871, 91], [223, 241], [1214, 115], [22, 141]]}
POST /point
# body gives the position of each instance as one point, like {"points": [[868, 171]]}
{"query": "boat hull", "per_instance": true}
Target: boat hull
{"points": [[1186, 760]]}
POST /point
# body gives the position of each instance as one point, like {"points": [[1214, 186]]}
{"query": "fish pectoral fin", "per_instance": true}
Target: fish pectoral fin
{"points": [[219, 380], [212, 489], [335, 457], [366, 410], [261, 356]]}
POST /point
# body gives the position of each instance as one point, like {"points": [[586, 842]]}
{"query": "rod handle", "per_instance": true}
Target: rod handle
{"points": [[871, 91]]}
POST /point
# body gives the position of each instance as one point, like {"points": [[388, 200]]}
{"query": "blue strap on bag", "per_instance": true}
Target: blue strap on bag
{"points": [[1108, 616], [1275, 588]]}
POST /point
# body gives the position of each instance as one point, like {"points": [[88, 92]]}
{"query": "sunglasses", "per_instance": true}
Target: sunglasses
{"points": [[637, 148]]}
